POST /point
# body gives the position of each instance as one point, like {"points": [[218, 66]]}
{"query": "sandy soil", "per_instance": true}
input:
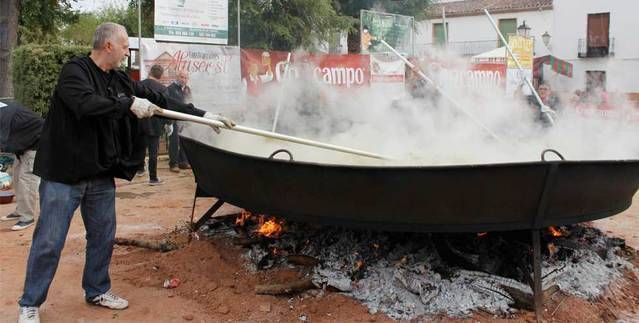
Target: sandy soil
{"points": [[215, 286]]}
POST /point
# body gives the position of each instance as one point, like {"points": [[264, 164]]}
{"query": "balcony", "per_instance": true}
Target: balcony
{"points": [[586, 51], [462, 48]]}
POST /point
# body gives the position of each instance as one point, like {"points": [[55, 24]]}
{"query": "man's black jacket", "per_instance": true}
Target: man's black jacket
{"points": [[153, 126], [89, 130], [177, 92], [20, 128]]}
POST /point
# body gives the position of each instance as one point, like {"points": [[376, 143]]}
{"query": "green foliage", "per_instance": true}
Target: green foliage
{"points": [[39, 19], [131, 19], [81, 32], [415, 8], [286, 24], [35, 72]]}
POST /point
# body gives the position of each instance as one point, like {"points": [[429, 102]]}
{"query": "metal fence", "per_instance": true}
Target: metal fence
{"points": [[462, 48]]}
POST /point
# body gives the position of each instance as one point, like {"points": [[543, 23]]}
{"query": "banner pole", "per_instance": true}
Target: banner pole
{"points": [[140, 38]]}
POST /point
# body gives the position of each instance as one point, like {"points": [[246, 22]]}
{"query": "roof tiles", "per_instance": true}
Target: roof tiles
{"points": [[476, 7]]}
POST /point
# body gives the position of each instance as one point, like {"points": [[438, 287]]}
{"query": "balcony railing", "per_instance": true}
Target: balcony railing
{"points": [[585, 50], [463, 48]]}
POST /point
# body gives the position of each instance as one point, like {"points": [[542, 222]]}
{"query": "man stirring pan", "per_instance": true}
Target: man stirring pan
{"points": [[90, 136]]}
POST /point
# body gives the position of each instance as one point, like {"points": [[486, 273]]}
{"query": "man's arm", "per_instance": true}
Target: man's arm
{"points": [[164, 100], [75, 90]]}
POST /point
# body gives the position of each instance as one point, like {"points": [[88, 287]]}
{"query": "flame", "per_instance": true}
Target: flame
{"points": [[242, 218], [271, 228], [555, 232], [481, 234], [375, 245], [359, 264]]}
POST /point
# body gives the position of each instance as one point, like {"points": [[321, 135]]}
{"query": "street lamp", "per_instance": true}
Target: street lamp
{"points": [[523, 29], [545, 37]]}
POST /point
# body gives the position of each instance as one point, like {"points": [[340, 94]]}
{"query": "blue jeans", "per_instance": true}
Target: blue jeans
{"points": [[58, 202]]}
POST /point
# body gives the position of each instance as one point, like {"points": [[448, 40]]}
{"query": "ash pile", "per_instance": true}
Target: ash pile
{"points": [[408, 275]]}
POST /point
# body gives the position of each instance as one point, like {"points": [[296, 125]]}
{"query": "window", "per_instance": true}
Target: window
{"points": [[507, 27], [595, 80], [439, 37], [598, 35]]}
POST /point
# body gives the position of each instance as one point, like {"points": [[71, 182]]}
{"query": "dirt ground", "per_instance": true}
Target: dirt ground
{"points": [[215, 286]]}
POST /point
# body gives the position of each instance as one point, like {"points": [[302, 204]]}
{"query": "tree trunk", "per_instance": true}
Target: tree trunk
{"points": [[8, 39]]}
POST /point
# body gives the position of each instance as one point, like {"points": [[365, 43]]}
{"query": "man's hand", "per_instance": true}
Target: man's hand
{"points": [[168, 128], [142, 108], [226, 121]]}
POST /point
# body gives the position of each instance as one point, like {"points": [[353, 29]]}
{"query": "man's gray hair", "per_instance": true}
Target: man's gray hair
{"points": [[105, 32]]}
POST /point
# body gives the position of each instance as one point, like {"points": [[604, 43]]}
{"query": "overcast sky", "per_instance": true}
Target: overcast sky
{"points": [[92, 5]]}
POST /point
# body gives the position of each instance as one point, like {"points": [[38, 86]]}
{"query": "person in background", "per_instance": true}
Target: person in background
{"points": [[91, 136], [548, 99], [154, 126], [20, 130], [180, 91]]}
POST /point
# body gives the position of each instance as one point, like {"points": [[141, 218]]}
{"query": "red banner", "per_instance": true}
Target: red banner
{"points": [[262, 68], [491, 73]]}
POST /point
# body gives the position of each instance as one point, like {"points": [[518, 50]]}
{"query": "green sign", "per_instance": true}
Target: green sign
{"points": [[396, 30]]}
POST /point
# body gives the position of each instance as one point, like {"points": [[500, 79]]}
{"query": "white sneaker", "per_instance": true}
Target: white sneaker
{"points": [[110, 300], [29, 314]]}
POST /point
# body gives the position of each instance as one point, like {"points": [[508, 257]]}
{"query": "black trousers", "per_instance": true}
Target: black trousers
{"points": [[153, 144]]}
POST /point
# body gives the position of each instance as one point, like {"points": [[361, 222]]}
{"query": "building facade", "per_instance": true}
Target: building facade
{"points": [[469, 31], [600, 39], [597, 37]]}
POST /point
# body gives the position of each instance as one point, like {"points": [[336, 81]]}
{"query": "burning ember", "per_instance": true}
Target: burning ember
{"points": [[481, 234], [271, 228], [555, 232], [242, 218]]}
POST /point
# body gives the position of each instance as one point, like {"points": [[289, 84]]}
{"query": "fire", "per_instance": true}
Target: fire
{"points": [[271, 228], [359, 264], [481, 234], [242, 218], [555, 232]]}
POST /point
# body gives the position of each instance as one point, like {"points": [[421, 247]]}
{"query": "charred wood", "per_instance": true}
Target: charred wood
{"points": [[162, 246], [293, 287], [525, 300], [248, 241], [302, 260]]}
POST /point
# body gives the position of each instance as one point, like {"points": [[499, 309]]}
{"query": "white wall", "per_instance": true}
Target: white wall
{"points": [[478, 28], [571, 24]]}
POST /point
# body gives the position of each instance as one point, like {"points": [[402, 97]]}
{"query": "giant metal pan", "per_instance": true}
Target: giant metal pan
{"points": [[465, 198]]}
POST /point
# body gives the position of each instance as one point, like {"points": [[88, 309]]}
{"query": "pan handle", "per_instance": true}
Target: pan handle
{"points": [[290, 156], [543, 154]]}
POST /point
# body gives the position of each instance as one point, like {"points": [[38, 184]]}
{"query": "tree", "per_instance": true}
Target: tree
{"points": [[286, 24], [8, 23], [266, 24], [131, 20], [40, 20], [414, 8], [81, 32]]}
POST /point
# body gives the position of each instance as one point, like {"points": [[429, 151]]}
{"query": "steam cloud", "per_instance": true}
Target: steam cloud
{"points": [[426, 131]]}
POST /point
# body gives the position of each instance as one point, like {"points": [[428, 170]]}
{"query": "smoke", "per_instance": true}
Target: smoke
{"points": [[482, 126]]}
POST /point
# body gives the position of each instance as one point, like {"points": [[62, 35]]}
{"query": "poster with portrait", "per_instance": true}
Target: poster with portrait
{"points": [[214, 71]]}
